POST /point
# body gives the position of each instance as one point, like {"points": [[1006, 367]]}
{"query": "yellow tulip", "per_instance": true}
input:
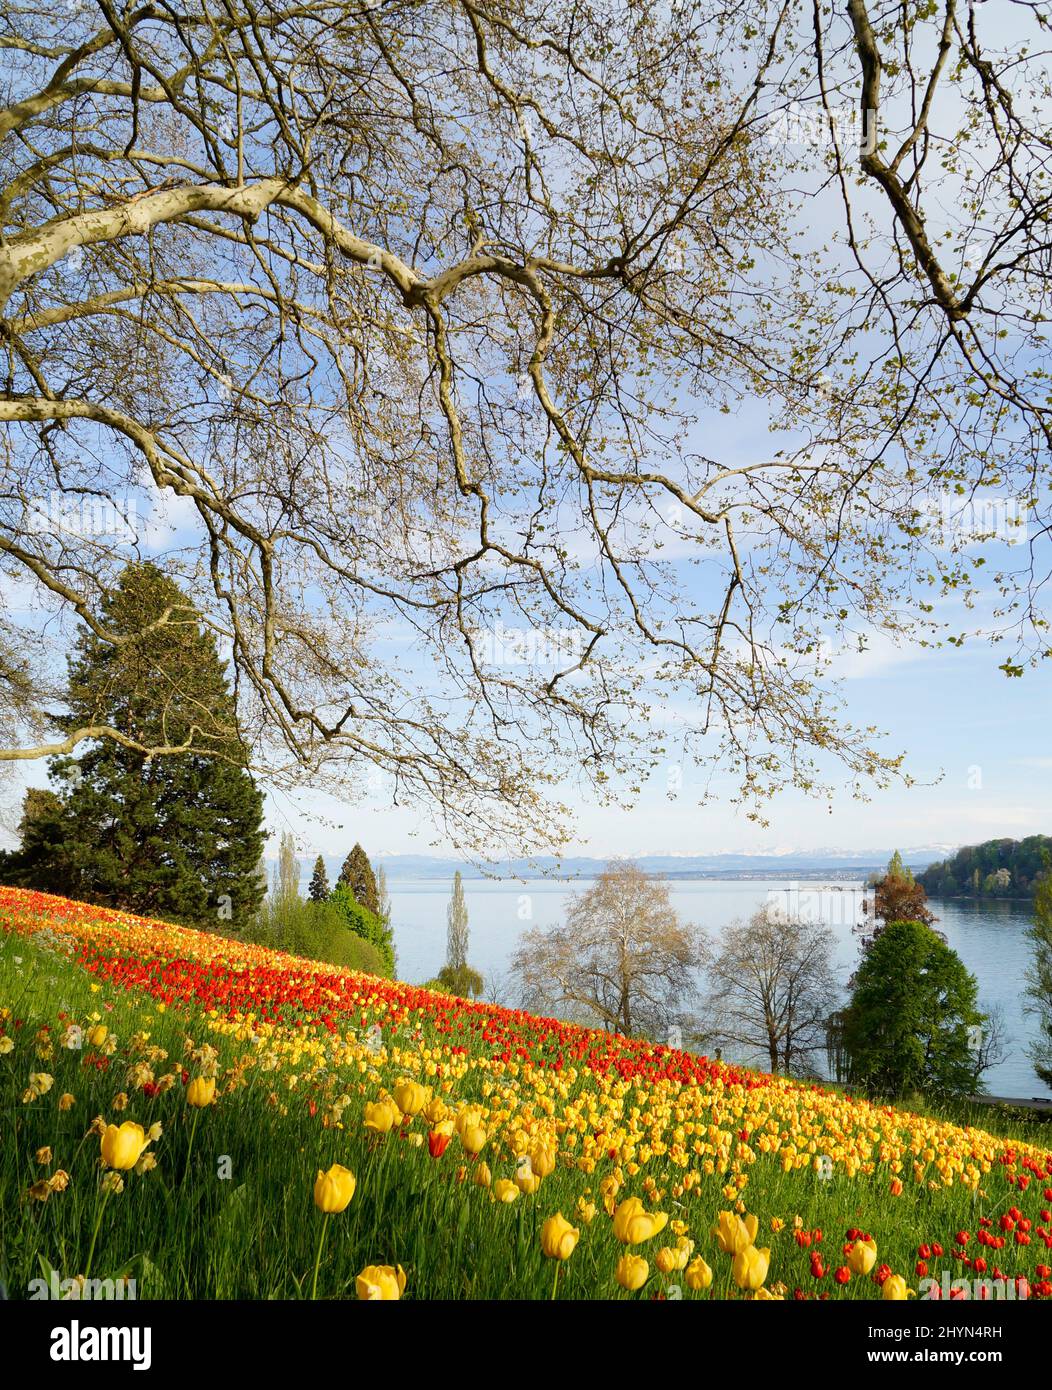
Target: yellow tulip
{"points": [[862, 1256], [749, 1268], [558, 1238], [334, 1189], [632, 1272], [632, 1224], [527, 1181], [504, 1190], [201, 1091], [669, 1258], [122, 1148], [468, 1118], [698, 1274], [381, 1115], [435, 1111], [895, 1288], [380, 1283], [482, 1176], [586, 1211], [410, 1097], [542, 1159], [473, 1138], [735, 1234], [97, 1035]]}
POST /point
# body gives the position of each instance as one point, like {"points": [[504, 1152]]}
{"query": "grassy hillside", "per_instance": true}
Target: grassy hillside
{"points": [[108, 1019]]}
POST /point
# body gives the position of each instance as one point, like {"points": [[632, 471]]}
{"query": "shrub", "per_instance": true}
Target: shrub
{"points": [[315, 931], [364, 924]]}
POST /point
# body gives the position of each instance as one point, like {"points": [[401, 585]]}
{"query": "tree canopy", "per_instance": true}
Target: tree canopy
{"points": [[1001, 868], [622, 958], [178, 838], [410, 317], [913, 1022]]}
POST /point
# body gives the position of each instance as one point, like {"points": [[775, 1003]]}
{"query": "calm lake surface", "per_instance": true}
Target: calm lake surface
{"points": [[989, 938]]}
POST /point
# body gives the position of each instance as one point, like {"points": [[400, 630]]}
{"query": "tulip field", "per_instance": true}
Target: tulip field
{"points": [[191, 1117]]}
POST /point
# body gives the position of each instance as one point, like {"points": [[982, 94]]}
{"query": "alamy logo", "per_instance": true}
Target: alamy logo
{"points": [[76, 1343], [534, 646], [81, 1289], [62, 515]]}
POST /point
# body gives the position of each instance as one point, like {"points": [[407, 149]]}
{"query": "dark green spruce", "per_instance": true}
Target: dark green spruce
{"points": [[176, 836]]}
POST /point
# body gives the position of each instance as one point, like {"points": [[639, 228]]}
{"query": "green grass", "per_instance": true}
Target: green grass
{"points": [[234, 1217]]}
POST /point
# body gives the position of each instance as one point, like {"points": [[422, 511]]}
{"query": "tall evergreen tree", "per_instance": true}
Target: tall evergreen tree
{"points": [[178, 836], [913, 1016], [357, 874], [319, 883], [897, 897]]}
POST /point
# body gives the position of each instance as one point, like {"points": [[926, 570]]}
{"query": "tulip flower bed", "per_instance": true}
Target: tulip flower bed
{"points": [[211, 1119]]}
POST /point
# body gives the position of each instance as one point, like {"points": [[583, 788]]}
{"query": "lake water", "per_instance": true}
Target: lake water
{"points": [[990, 938]]}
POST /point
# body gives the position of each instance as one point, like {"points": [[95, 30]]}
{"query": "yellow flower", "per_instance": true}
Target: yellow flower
{"points": [[558, 1238], [201, 1092], [669, 1258], [698, 1274], [542, 1159], [632, 1224], [44, 1155], [482, 1176], [59, 1180], [410, 1097], [381, 1115], [504, 1190], [527, 1181], [6, 1045], [749, 1268], [435, 1110], [473, 1137], [862, 1256], [468, 1118], [97, 1035], [586, 1210], [735, 1234], [380, 1283], [122, 1148], [334, 1189], [632, 1272], [66, 1101], [895, 1289]]}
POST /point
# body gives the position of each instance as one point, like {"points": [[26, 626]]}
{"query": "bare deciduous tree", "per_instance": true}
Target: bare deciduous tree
{"points": [[772, 989], [622, 958], [395, 318]]}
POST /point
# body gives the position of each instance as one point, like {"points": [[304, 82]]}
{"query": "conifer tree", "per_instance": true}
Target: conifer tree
{"points": [[319, 883], [357, 874], [178, 837]]}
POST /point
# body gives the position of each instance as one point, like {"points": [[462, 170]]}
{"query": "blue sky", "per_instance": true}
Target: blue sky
{"points": [[976, 743]]}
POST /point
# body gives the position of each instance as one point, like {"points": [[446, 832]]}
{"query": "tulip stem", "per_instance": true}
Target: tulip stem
{"points": [[555, 1281], [317, 1259], [190, 1146], [95, 1233]]}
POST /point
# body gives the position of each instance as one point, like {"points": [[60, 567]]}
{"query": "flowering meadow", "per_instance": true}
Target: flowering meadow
{"points": [[210, 1119]]}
